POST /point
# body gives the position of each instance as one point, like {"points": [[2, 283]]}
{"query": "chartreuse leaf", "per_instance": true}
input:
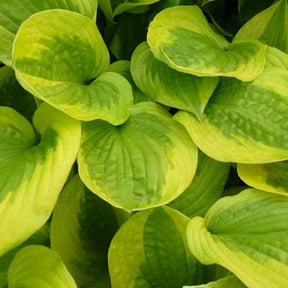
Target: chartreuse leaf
{"points": [[123, 68], [168, 86], [244, 122], [38, 266], [83, 238], [14, 12], [13, 95], [272, 177], [33, 171], [230, 281], [206, 187], [150, 251], [246, 234], [41, 237], [276, 58], [182, 38], [270, 26], [120, 6], [59, 66], [146, 162]]}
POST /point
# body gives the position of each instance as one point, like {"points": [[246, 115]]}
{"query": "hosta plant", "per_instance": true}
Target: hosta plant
{"points": [[143, 144]]}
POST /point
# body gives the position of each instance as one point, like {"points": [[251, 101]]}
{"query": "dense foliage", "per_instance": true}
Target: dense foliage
{"points": [[143, 144]]}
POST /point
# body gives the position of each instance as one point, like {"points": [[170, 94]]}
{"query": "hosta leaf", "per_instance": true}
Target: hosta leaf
{"points": [[227, 282], [146, 162], [272, 177], [182, 38], [37, 266], [150, 251], [206, 187], [13, 95], [245, 122], [41, 237], [130, 31], [224, 15], [14, 12], [276, 58], [270, 26], [59, 66], [81, 230], [168, 86], [121, 6], [123, 68], [247, 9], [33, 171], [247, 234]]}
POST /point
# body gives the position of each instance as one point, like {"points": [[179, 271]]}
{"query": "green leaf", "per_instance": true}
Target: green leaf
{"points": [[245, 122], [81, 230], [247, 8], [150, 251], [168, 86], [224, 15], [227, 282], [60, 66], [13, 13], [146, 162], [124, 5], [246, 234], [206, 187], [13, 95], [130, 31], [106, 8], [123, 68], [182, 38], [37, 266], [270, 26], [33, 171], [272, 177], [41, 237]]}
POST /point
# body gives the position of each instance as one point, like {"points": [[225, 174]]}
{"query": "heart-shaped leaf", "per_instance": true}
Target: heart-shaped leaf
{"points": [[245, 122], [182, 38], [247, 234], [168, 86], [60, 66], [146, 162], [83, 238], [150, 251], [33, 171], [13, 13], [38, 266]]}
